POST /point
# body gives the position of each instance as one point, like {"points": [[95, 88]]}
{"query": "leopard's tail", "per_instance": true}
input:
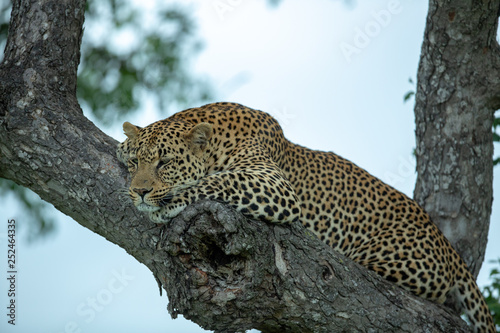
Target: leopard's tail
{"points": [[473, 302]]}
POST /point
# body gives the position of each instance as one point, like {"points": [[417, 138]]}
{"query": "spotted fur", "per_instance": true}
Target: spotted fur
{"points": [[238, 155]]}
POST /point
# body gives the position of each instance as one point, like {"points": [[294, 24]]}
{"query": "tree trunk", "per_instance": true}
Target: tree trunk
{"points": [[458, 91], [221, 270]]}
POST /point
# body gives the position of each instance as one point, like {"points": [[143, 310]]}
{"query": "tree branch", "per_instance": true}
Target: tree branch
{"points": [[228, 273]]}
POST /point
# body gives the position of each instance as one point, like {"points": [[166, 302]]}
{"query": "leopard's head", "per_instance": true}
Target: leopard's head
{"points": [[163, 159]]}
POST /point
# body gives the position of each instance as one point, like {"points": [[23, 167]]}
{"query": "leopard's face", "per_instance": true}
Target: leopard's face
{"points": [[163, 159]]}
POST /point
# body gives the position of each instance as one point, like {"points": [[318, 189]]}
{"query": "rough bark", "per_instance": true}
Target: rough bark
{"points": [[228, 273], [219, 269], [457, 94]]}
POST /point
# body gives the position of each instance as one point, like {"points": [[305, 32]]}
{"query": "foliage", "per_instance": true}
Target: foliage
{"points": [[410, 93], [32, 209], [4, 25], [492, 292], [128, 55]]}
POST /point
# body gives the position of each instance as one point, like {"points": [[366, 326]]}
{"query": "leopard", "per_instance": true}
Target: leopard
{"points": [[237, 155]]}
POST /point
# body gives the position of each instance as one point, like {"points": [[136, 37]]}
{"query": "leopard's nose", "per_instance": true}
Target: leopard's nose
{"points": [[142, 191]]}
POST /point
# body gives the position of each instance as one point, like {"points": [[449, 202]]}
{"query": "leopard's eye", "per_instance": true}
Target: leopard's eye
{"points": [[164, 161], [132, 164]]}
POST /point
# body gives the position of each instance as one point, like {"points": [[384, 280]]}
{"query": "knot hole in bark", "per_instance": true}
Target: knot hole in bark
{"points": [[328, 272], [216, 255]]}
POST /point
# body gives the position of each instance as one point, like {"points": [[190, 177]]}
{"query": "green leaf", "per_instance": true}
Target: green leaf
{"points": [[408, 95], [492, 292], [496, 121]]}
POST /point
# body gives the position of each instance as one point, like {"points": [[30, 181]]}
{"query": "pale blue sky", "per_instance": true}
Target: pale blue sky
{"points": [[290, 61]]}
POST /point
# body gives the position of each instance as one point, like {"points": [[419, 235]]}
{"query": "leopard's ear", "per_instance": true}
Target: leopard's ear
{"points": [[130, 130], [197, 138]]}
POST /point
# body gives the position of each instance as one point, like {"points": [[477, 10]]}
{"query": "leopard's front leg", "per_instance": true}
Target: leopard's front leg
{"points": [[260, 192]]}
